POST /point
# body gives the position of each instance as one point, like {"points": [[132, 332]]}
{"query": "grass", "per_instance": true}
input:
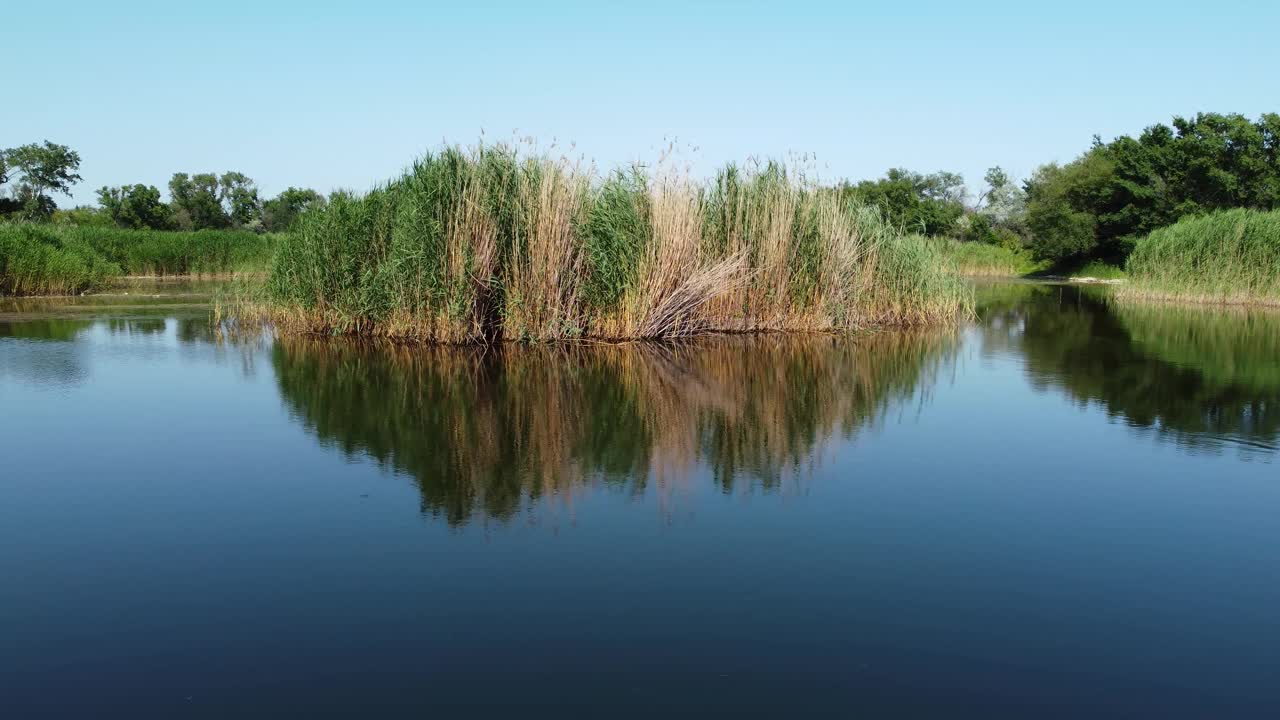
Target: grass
{"points": [[976, 259], [68, 260], [1097, 269], [487, 244], [42, 261], [1229, 257], [163, 253]]}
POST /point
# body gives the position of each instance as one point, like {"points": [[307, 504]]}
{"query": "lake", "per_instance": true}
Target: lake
{"points": [[1069, 507]]}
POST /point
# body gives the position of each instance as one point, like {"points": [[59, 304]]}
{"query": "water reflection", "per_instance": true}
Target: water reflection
{"points": [[1202, 378], [59, 351], [492, 432]]}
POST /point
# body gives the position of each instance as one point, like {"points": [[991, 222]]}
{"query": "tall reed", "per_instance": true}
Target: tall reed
{"points": [[1228, 257], [51, 259], [488, 243], [37, 260]]}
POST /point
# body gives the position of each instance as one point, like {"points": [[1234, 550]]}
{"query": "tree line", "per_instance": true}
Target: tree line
{"points": [[30, 175], [1097, 205]]}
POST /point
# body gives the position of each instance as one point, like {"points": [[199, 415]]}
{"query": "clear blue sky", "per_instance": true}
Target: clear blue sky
{"points": [[344, 95]]}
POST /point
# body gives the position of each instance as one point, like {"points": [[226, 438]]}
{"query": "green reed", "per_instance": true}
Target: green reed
{"points": [[1229, 257], [38, 260], [491, 243], [51, 260]]}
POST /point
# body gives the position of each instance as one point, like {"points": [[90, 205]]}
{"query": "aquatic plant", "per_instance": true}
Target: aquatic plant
{"points": [[1229, 257], [38, 260], [488, 243], [977, 259], [64, 260]]}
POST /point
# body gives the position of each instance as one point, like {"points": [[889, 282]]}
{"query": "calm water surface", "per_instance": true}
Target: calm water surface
{"points": [[1070, 508]]}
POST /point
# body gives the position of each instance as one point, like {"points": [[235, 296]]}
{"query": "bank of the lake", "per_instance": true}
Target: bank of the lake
{"points": [[1224, 258], [44, 259]]}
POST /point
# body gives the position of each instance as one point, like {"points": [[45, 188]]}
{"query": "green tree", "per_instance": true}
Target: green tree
{"points": [[928, 204], [42, 170], [197, 203], [239, 197], [1059, 206], [82, 216], [135, 206], [280, 212], [1129, 187]]}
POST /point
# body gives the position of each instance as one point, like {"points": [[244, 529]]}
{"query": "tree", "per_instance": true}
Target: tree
{"points": [[42, 169], [280, 212], [1058, 207], [197, 204], [135, 206], [1132, 186], [8, 205], [239, 197], [82, 216], [927, 204]]}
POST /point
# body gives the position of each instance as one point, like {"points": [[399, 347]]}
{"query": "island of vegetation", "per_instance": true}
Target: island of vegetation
{"points": [[485, 244]]}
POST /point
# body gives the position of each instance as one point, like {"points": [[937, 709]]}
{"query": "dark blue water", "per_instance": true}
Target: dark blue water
{"points": [[1070, 508]]}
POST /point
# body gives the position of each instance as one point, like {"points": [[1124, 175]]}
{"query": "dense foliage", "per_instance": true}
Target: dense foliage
{"points": [[925, 204], [39, 171], [30, 175], [1095, 208], [1102, 202], [48, 259], [39, 260]]}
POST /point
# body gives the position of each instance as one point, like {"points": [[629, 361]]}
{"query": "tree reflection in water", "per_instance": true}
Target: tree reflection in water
{"points": [[1203, 378]]}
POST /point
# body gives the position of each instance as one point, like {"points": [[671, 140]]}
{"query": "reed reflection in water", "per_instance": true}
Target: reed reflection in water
{"points": [[1204, 379], [495, 432]]}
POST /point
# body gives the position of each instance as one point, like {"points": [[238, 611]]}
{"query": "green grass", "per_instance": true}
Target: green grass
{"points": [[1229, 257], [43, 261], [975, 259], [1098, 269], [157, 252], [52, 260], [486, 244]]}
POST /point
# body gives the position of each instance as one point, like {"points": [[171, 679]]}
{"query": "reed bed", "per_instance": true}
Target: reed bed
{"points": [[1230, 258], [486, 244], [61, 260], [165, 253], [37, 260], [976, 259]]}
